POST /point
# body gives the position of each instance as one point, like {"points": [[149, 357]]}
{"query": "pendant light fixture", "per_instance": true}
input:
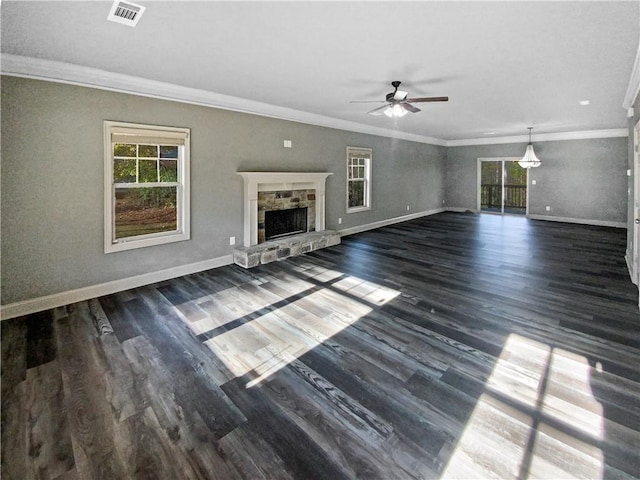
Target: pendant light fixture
{"points": [[530, 160]]}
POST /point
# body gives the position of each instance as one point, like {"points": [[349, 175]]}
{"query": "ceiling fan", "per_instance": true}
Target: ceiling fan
{"points": [[397, 103]]}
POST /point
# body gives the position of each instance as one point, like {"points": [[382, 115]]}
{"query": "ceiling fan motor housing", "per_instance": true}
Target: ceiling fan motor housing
{"points": [[391, 96]]}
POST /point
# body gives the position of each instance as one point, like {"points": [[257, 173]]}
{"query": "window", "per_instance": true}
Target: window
{"points": [[146, 185], [358, 179]]}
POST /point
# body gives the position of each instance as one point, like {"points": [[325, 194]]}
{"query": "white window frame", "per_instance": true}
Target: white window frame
{"points": [[367, 155], [183, 229]]}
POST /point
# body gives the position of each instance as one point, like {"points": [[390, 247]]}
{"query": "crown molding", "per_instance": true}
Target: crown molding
{"points": [[49, 70], [542, 137], [52, 71], [634, 83]]}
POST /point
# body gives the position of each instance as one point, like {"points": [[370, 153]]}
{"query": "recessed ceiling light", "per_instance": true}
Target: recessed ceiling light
{"points": [[584, 102]]}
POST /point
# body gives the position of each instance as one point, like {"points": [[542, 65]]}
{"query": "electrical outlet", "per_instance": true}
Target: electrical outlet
{"points": [[533, 182], [548, 208], [288, 144], [232, 240], [340, 221], [408, 208]]}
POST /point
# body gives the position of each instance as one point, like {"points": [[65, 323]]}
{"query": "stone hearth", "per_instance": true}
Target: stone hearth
{"points": [[280, 249]]}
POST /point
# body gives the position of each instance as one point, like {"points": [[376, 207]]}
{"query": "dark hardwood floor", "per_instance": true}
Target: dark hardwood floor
{"points": [[452, 346]]}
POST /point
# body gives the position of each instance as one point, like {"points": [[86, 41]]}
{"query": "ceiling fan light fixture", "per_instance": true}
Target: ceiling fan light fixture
{"points": [[397, 102], [398, 111], [530, 160], [395, 111]]}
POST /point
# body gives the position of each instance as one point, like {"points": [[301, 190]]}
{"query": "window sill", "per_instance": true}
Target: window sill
{"points": [[145, 242], [358, 209]]}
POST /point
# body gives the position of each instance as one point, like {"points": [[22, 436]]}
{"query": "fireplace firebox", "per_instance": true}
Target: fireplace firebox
{"points": [[281, 223]]}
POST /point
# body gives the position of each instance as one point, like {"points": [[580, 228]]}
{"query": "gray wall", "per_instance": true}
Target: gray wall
{"points": [[52, 181], [579, 179]]}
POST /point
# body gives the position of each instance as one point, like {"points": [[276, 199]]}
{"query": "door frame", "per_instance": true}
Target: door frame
{"points": [[479, 183], [635, 260]]}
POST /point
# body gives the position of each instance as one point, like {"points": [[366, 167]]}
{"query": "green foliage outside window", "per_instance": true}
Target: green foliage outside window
{"points": [[357, 179], [145, 210]]}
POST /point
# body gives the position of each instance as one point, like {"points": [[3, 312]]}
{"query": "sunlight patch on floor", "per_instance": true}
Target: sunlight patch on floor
{"points": [[531, 387], [262, 346], [574, 372]]}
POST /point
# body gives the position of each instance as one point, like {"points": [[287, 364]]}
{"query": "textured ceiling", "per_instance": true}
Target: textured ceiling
{"points": [[504, 65]]}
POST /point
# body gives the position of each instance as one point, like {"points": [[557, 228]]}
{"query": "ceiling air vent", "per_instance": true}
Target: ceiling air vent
{"points": [[126, 13]]}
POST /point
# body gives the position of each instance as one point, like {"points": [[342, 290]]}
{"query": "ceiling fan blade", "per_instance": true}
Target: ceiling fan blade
{"points": [[377, 111], [367, 101], [400, 95], [427, 99], [410, 108]]}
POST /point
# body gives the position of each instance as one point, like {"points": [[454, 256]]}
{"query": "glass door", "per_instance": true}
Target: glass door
{"points": [[503, 186], [491, 186]]}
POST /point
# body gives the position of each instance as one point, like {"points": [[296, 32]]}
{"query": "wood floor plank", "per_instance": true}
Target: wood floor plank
{"points": [[448, 346], [14, 373], [303, 457], [198, 390], [41, 345], [195, 446], [49, 446], [253, 456], [86, 399], [14, 354], [348, 435]]}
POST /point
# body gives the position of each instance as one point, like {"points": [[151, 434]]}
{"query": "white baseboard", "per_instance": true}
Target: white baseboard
{"points": [[47, 302], [627, 257], [389, 221], [461, 210], [583, 221]]}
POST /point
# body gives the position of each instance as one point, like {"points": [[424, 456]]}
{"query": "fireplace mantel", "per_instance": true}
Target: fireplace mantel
{"points": [[255, 182]]}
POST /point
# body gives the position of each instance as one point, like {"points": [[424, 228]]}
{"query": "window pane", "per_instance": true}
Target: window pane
{"points": [[361, 172], [148, 171], [124, 150], [356, 194], [168, 170], [147, 150], [140, 211], [124, 171], [168, 151]]}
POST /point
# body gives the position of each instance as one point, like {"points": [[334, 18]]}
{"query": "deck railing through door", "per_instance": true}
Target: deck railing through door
{"points": [[515, 196]]}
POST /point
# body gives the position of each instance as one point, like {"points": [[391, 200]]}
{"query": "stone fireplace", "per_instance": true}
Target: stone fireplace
{"points": [[295, 203]]}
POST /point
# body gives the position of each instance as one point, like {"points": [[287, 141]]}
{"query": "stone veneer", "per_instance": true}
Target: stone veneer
{"points": [[284, 200], [286, 247]]}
